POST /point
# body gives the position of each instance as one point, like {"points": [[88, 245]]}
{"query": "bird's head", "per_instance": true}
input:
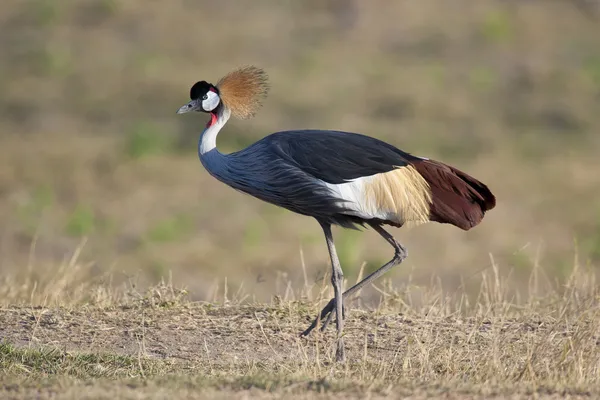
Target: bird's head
{"points": [[204, 98], [241, 91]]}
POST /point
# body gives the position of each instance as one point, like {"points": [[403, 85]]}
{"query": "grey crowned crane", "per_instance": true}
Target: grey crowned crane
{"points": [[338, 178]]}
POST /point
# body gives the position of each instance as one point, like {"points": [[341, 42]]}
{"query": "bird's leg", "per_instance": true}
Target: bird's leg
{"points": [[399, 256], [337, 276]]}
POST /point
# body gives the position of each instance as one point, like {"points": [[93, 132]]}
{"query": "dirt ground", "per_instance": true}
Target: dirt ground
{"points": [[154, 349]]}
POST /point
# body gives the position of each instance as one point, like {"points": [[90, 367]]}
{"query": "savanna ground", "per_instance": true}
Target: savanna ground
{"points": [[103, 197], [413, 344]]}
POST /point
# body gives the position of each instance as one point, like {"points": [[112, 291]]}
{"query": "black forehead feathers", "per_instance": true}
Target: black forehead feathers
{"points": [[200, 89]]}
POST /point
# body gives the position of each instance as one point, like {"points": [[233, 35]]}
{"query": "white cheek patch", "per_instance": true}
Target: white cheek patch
{"points": [[211, 102]]}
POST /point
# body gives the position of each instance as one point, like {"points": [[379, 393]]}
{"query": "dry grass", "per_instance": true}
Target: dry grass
{"points": [[416, 342]]}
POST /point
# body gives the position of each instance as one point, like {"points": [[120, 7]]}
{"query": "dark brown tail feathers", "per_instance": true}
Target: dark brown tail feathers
{"points": [[457, 198]]}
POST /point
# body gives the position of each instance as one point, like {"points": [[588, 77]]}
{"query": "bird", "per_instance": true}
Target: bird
{"points": [[339, 178]]}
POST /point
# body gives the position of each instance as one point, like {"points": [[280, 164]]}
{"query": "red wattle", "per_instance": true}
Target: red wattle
{"points": [[213, 120]]}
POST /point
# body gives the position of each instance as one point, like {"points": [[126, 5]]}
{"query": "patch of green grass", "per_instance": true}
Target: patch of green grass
{"points": [[81, 222], [170, 229], [60, 62], [53, 361], [497, 27], [144, 139], [591, 69]]}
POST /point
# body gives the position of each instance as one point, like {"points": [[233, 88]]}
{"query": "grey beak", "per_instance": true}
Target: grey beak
{"points": [[191, 106]]}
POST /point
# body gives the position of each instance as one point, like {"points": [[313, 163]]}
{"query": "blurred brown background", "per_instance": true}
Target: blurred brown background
{"points": [[91, 147]]}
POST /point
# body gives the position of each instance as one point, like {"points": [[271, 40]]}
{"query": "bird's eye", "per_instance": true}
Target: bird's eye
{"points": [[205, 97]]}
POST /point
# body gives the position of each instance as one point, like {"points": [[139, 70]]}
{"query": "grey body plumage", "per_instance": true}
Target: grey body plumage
{"points": [[287, 169]]}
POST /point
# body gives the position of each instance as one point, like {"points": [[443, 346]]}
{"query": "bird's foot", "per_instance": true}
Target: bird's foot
{"points": [[327, 313]]}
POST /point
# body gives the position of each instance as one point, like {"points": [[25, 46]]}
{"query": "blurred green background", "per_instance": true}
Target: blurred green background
{"points": [[91, 147]]}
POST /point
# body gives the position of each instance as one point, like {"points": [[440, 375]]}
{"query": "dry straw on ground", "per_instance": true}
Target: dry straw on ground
{"points": [[418, 341]]}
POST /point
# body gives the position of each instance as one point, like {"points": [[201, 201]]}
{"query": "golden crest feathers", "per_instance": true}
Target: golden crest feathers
{"points": [[243, 90]]}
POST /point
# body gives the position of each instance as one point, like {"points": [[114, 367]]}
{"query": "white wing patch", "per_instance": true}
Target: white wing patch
{"points": [[353, 192], [401, 196]]}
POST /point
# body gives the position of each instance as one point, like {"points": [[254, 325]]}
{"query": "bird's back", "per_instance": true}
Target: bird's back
{"points": [[348, 177]]}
